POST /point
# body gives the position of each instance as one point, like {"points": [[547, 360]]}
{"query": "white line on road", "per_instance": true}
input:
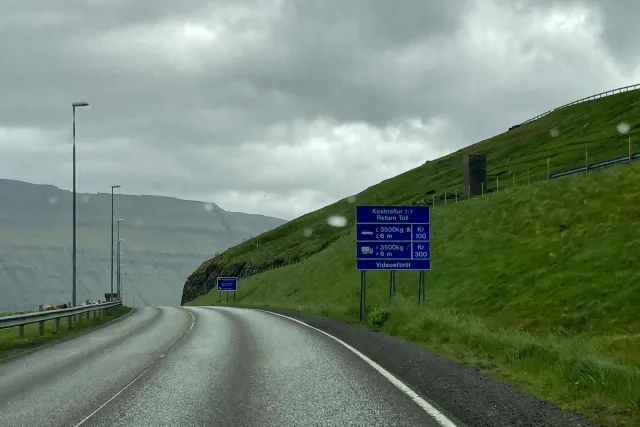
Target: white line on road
{"points": [[115, 395], [426, 406], [88, 417]]}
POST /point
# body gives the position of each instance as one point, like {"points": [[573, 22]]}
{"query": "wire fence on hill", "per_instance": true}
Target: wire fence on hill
{"points": [[588, 98], [577, 161]]}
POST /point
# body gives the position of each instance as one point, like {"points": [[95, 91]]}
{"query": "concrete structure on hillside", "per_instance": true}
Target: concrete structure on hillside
{"points": [[474, 174]]}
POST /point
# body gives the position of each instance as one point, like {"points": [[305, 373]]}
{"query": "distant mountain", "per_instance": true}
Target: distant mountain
{"points": [[165, 239]]}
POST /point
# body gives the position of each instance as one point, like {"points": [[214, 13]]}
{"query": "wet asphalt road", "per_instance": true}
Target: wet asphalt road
{"points": [[198, 366]]}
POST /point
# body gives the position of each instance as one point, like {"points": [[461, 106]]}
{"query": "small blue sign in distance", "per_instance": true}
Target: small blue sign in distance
{"points": [[396, 233], [412, 264], [392, 214], [227, 283]]}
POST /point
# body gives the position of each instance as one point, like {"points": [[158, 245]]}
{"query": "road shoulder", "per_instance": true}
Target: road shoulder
{"points": [[472, 397]]}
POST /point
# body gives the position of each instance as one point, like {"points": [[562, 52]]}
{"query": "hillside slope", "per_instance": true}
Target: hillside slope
{"points": [[536, 285], [164, 240], [516, 157]]}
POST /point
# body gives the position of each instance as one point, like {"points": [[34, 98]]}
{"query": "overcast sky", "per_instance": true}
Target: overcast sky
{"points": [[281, 107]]}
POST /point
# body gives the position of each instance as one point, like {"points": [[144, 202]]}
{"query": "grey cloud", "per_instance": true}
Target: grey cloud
{"points": [[310, 65], [619, 20], [329, 55], [621, 29], [185, 120]]}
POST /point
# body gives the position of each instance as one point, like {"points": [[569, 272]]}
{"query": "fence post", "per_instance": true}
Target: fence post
{"points": [[586, 160], [445, 197], [497, 184], [482, 194], [547, 168], [433, 200]]}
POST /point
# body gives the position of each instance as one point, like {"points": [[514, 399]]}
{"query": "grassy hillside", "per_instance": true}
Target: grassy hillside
{"points": [[515, 157], [536, 285]]}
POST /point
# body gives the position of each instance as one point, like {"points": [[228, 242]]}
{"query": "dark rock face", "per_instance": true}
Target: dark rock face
{"points": [[204, 280]]}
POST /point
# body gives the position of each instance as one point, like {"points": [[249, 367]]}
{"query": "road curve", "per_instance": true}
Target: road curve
{"points": [[200, 366]]}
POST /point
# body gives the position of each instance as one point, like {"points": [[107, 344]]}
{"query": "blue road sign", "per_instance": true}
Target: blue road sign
{"points": [[393, 238], [396, 233], [372, 264], [227, 283], [392, 214]]}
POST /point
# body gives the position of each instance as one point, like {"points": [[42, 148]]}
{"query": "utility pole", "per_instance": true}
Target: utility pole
{"points": [[112, 188], [74, 106], [118, 260]]}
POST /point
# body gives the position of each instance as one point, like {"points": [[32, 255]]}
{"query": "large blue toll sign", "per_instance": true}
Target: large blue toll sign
{"points": [[227, 283], [393, 238]]}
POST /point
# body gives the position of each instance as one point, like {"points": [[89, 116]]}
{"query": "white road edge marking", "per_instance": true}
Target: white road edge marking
{"points": [[426, 406], [88, 417]]}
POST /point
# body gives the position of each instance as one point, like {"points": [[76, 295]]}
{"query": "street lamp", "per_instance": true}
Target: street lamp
{"points": [[119, 275], [74, 106], [112, 188], [118, 259]]}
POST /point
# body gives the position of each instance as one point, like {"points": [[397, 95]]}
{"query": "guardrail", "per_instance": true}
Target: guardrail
{"points": [[74, 313], [594, 166], [588, 98]]}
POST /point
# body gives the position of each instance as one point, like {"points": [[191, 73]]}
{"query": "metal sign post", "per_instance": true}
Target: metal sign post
{"points": [[392, 284], [363, 296], [421, 288]]}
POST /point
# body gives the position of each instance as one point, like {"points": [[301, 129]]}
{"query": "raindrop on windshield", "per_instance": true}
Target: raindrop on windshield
{"points": [[85, 198], [307, 232], [337, 221], [53, 200], [554, 132], [138, 223], [623, 127], [351, 199], [208, 207]]}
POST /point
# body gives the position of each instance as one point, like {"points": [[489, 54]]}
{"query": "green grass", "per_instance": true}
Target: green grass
{"points": [[10, 344], [535, 284]]}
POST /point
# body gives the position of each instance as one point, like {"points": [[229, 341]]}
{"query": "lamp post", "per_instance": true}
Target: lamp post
{"points": [[120, 275], [112, 188], [74, 106], [118, 259]]}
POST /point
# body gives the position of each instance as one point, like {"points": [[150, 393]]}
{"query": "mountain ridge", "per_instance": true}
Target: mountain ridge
{"points": [[165, 238]]}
